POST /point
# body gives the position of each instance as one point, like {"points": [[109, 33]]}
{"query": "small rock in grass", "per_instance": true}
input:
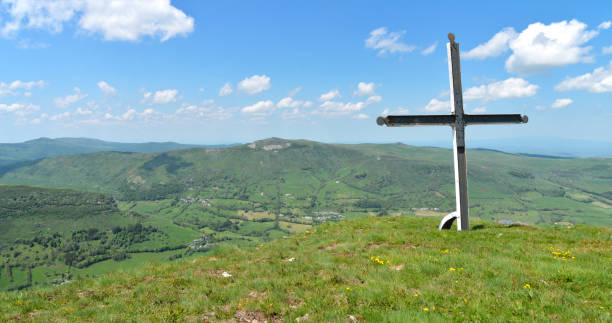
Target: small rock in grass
{"points": [[226, 274]]}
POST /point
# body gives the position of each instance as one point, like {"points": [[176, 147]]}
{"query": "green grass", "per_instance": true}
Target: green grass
{"points": [[492, 273]]}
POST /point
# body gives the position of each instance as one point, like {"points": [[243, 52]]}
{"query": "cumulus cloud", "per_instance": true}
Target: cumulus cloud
{"points": [[293, 113], [206, 112], [335, 108], [397, 111], [480, 110], [289, 102], [14, 87], [374, 99], [119, 20], [160, 97], [605, 25], [331, 95], [259, 109], [436, 105], [387, 42], [606, 50], [429, 49], [364, 89], [226, 89], [541, 47], [67, 100], [18, 109], [361, 116], [507, 89], [254, 84], [106, 88], [494, 47], [598, 81], [561, 103]]}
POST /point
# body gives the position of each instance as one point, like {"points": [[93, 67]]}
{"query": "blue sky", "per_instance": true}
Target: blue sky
{"points": [[224, 72]]}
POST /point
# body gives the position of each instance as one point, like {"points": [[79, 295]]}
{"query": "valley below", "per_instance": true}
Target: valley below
{"points": [[85, 214]]}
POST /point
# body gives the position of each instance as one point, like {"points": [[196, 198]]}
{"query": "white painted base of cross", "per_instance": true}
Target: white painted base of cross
{"points": [[458, 121]]}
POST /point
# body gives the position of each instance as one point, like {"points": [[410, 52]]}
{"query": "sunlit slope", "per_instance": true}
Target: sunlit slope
{"points": [[372, 269], [282, 174]]}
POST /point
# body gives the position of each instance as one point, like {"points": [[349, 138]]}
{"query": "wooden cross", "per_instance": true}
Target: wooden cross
{"points": [[458, 121]]}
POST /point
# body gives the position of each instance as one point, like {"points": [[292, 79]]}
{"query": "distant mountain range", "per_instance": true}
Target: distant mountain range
{"points": [[535, 146], [47, 147]]}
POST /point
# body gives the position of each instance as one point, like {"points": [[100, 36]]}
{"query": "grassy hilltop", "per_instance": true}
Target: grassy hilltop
{"points": [[376, 269], [118, 210]]}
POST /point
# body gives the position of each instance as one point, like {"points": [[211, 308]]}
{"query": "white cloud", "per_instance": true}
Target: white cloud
{"points": [[259, 109], [67, 100], [13, 87], [606, 50], [509, 88], [598, 81], [361, 116], [125, 20], [254, 84], [160, 97], [294, 91], [331, 95], [374, 99], [429, 49], [364, 89], [541, 47], [294, 113], [333, 108], [289, 102], [387, 42], [480, 110], [226, 89], [18, 109], [215, 113], [561, 103], [397, 111], [437, 105], [106, 88], [494, 47], [605, 25], [558, 104]]}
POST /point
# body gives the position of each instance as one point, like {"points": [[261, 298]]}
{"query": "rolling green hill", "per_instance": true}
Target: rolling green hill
{"points": [[47, 147], [309, 181], [367, 269]]}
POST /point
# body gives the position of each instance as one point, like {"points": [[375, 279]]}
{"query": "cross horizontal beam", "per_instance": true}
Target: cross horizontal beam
{"points": [[449, 119]]}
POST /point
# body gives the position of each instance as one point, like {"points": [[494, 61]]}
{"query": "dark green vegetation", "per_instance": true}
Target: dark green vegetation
{"points": [[173, 204], [370, 269], [50, 236]]}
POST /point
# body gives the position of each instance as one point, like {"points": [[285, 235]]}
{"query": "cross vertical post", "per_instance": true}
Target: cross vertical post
{"points": [[458, 120], [456, 96]]}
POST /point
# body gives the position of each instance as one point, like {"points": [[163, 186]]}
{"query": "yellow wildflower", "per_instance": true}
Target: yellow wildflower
{"points": [[452, 269], [416, 294], [465, 300], [348, 288], [527, 286], [425, 309]]}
